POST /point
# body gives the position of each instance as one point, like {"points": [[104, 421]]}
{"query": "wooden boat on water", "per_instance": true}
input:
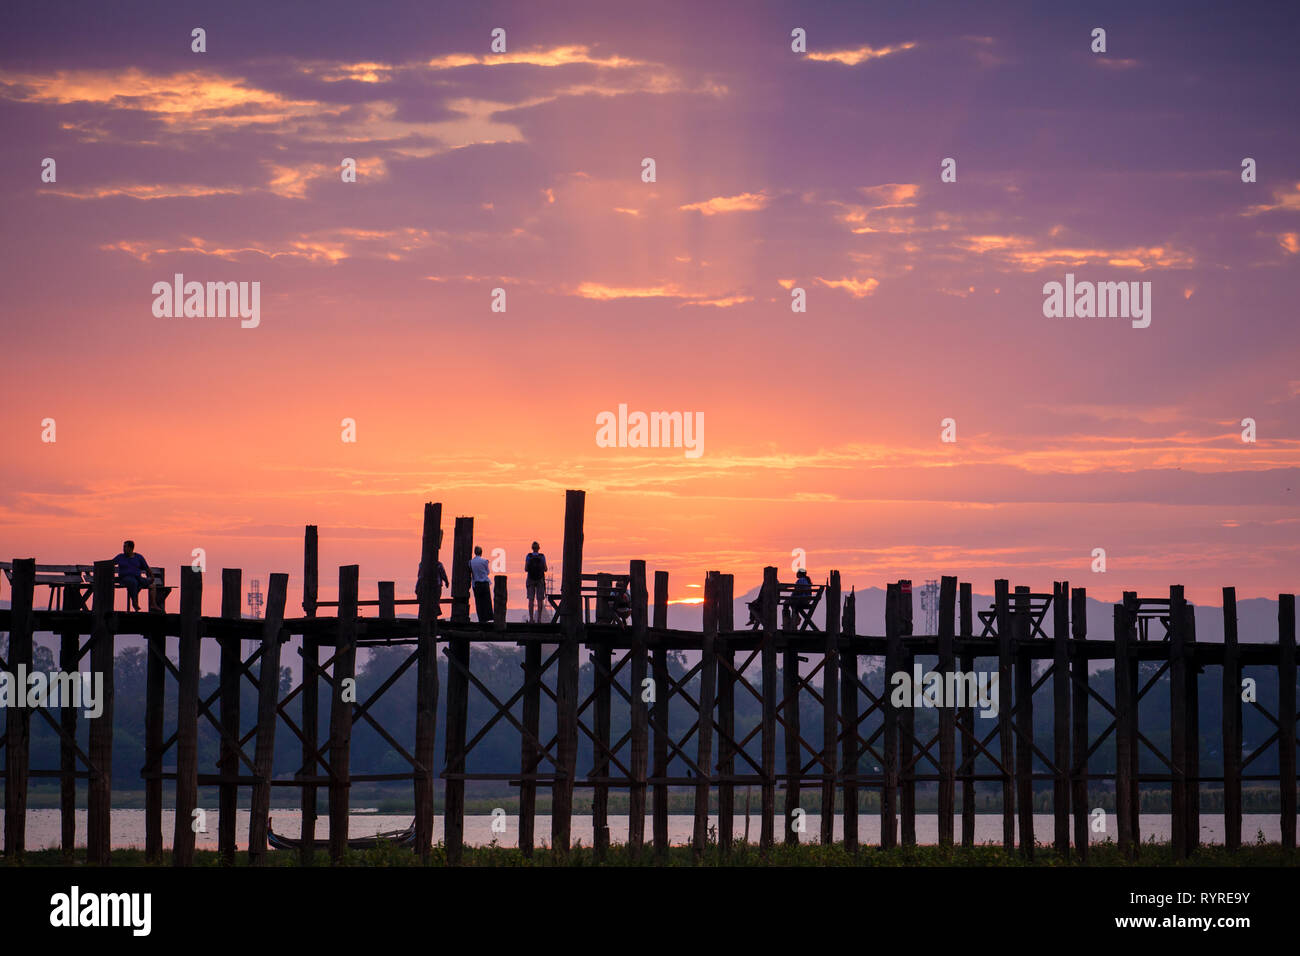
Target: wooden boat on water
{"points": [[404, 838]]}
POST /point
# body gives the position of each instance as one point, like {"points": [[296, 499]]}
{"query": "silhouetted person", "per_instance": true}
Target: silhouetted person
{"points": [[535, 581], [801, 597], [132, 573], [482, 584]]}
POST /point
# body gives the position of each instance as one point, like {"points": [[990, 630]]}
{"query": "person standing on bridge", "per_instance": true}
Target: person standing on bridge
{"points": [[482, 583], [535, 581], [132, 573]]}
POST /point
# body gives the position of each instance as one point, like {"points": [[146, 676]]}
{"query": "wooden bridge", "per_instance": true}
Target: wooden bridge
{"points": [[624, 653]]}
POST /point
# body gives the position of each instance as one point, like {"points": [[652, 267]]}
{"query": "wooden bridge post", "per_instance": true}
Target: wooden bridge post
{"points": [[1231, 724], [344, 670], [1061, 715], [636, 799], [187, 716], [566, 679], [1193, 732], [603, 661], [70, 663], [1286, 715], [458, 652], [830, 709], [947, 714], [790, 715], [387, 600], [426, 678], [1124, 693], [726, 711], [268, 699], [1024, 723], [310, 696], [1135, 794], [907, 723], [1178, 720], [1006, 740], [230, 677], [529, 755], [18, 718], [849, 710], [500, 602], [1079, 719], [660, 676], [966, 718], [893, 658], [767, 827], [704, 730], [99, 829]]}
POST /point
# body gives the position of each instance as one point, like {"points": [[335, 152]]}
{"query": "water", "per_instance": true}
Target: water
{"points": [[128, 828]]}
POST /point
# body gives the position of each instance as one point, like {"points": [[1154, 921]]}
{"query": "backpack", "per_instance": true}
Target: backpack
{"points": [[533, 565]]}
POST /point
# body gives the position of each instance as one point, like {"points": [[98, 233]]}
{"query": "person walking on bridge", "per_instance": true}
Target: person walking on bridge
{"points": [[482, 583]]}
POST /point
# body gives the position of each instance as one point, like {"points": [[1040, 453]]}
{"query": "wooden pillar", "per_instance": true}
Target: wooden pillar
{"points": [[70, 663], [1123, 715], [790, 713], [1024, 724], [966, 718], [947, 714], [1193, 727], [566, 679], [636, 799], [893, 661], [660, 672], [228, 759], [500, 602], [458, 652], [18, 718], [907, 724], [268, 699], [344, 670], [767, 761], [830, 708], [1178, 720], [704, 732], [99, 839], [1286, 715], [603, 662], [726, 712], [1079, 719], [426, 678], [1061, 715], [187, 717], [310, 697], [849, 730], [387, 600], [1135, 793], [1006, 740], [1231, 724], [529, 755]]}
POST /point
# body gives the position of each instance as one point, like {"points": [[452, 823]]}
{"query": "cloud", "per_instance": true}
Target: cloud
{"points": [[861, 54], [1025, 253], [745, 202], [555, 56], [1282, 199], [858, 288], [145, 191], [291, 182]]}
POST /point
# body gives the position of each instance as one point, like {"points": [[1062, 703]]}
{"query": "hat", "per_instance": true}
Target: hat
{"points": [[801, 573]]}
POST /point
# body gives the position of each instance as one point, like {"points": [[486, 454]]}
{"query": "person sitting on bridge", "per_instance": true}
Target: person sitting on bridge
{"points": [[801, 597], [133, 573]]}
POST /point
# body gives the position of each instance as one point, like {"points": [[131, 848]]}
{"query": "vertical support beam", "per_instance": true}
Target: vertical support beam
{"points": [[70, 663], [426, 677], [310, 696], [462, 549], [849, 723], [268, 698], [1079, 719], [704, 732], [529, 754], [228, 758], [893, 659], [1061, 715], [726, 712], [1231, 724], [1024, 724], [636, 799], [1124, 693], [947, 714], [1178, 720], [387, 600], [1006, 741], [500, 600], [767, 828], [457, 651], [18, 717], [603, 661], [344, 669], [966, 718], [99, 838], [907, 724], [1193, 728], [790, 716], [187, 716], [566, 679], [1286, 715], [1135, 794], [830, 708], [660, 670]]}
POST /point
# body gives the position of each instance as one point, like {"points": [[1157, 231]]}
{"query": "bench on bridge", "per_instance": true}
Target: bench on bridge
{"points": [[599, 600], [81, 577], [796, 609], [1038, 606]]}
